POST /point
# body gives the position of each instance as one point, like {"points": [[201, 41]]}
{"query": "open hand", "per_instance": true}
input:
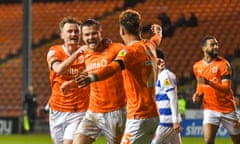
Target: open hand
{"points": [[237, 124], [197, 97], [177, 127]]}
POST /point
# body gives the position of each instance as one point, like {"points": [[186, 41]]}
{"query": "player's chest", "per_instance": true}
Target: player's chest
{"points": [[98, 61]]}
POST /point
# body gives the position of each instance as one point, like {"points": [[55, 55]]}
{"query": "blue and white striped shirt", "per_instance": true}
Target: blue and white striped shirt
{"points": [[166, 98]]}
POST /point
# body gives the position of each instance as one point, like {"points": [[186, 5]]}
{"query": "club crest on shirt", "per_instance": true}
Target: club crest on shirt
{"points": [[214, 69], [167, 83], [81, 59], [122, 53]]}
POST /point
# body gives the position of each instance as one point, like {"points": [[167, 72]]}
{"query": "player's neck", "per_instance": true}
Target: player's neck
{"points": [[70, 49], [208, 59], [132, 39]]}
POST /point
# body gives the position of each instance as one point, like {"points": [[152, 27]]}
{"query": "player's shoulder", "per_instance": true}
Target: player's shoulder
{"points": [[198, 63], [171, 74], [222, 60], [164, 74], [115, 48], [117, 44], [165, 78], [54, 50], [55, 47]]}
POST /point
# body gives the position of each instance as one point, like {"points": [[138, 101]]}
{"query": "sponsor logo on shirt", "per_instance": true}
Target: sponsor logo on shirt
{"points": [[214, 69], [81, 59], [97, 65]]}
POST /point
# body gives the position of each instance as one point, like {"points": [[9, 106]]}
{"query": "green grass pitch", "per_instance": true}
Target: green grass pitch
{"points": [[45, 139]]}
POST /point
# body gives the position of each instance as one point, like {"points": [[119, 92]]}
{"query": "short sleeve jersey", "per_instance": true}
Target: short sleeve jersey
{"points": [[216, 71], [76, 99], [139, 79], [107, 95]]}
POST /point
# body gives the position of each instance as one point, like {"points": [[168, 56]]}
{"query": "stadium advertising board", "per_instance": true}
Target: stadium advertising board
{"points": [[193, 128], [8, 125]]}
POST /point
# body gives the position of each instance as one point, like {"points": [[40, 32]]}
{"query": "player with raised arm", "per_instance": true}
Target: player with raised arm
{"points": [[213, 74], [137, 61]]}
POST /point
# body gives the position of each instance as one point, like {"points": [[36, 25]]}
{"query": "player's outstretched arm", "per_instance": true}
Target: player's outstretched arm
{"points": [[115, 66], [157, 38]]}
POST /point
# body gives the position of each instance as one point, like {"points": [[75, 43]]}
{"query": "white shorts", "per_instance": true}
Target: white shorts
{"points": [[140, 131], [63, 125], [228, 120], [166, 135], [112, 124]]}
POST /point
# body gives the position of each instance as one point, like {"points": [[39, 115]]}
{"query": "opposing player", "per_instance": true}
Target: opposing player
{"points": [[213, 74], [137, 61], [168, 131], [65, 62], [107, 107]]}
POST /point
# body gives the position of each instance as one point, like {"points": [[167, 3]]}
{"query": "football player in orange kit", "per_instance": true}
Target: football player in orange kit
{"points": [[137, 61], [107, 107], [64, 63], [213, 74]]}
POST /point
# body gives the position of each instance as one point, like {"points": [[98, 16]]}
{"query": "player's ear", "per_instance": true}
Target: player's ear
{"points": [[61, 35], [122, 31]]}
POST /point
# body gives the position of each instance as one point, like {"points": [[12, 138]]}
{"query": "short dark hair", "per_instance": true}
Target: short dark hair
{"points": [[90, 22], [204, 40], [159, 54], [130, 20]]}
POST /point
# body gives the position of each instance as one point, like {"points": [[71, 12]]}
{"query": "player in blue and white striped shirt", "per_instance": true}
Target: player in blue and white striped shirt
{"points": [[168, 131]]}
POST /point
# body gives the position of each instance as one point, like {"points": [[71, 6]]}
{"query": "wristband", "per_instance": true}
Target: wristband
{"points": [[93, 77]]}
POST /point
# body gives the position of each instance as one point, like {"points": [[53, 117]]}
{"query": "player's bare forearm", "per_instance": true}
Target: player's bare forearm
{"points": [[61, 67], [157, 38]]}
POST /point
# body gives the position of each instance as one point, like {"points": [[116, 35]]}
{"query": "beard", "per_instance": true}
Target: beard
{"points": [[212, 53]]}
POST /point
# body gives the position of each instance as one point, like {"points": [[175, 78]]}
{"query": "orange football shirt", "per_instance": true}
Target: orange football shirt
{"points": [[139, 76], [217, 71], [76, 100], [139, 79], [107, 95]]}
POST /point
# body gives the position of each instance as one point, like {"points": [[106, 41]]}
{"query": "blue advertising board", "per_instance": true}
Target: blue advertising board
{"points": [[193, 128]]}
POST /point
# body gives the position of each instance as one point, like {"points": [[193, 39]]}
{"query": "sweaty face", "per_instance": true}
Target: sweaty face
{"points": [[91, 36], [71, 34], [211, 48]]}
